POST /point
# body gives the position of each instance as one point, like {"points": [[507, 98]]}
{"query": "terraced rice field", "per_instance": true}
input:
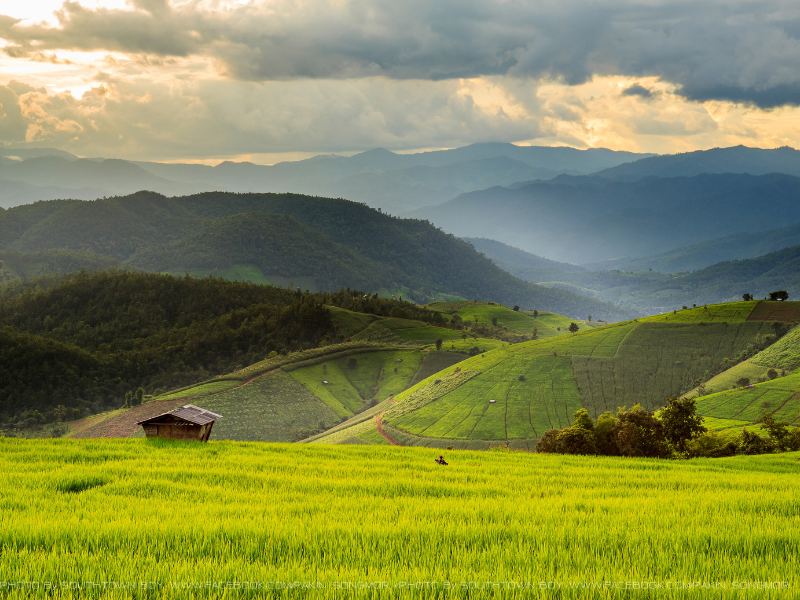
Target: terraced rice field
{"points": [[743, 406], [130, 518], [516, 393]]}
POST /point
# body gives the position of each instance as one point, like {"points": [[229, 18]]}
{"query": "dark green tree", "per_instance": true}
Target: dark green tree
{"points": [[640, 433], [681, 422]]}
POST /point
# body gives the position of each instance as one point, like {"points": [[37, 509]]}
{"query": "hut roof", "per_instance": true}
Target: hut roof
{"points": [[190, 412]]}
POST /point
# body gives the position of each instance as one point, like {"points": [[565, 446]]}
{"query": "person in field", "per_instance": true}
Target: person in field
{"points": [[440, 460]]}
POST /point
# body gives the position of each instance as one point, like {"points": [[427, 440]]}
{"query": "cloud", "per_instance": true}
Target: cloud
{"points": [[738, 50], [198, 118], [637, 90]]}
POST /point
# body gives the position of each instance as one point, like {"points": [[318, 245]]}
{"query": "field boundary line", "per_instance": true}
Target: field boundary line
{"points": [[382, 431]]}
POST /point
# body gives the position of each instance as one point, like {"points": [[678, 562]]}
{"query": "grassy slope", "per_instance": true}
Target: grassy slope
{"points": [[285, 398], [538, 385], [381, 518], [515, 322], [736, 408]]}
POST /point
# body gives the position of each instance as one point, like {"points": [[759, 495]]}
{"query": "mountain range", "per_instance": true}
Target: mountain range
{"points": [[650, 292], [394, 182], [585, 219]]}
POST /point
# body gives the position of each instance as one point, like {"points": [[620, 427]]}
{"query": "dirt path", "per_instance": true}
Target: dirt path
{"points": [[386, 436]]}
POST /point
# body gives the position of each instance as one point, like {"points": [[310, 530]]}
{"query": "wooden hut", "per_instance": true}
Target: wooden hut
{"points": [[188, 422]]}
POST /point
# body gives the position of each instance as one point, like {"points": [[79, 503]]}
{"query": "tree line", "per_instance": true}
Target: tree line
{"points": [[675, 431]]}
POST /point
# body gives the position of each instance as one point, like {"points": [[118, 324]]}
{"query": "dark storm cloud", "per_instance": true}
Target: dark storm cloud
{"points": [[736, 50]]}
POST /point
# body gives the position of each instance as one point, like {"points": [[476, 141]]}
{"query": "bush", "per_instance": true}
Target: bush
{"points": [[576, 440], [548, 442], [583, 419], [793, 440], [605, 432], [711, 445], [752, 443], [778, 432]]}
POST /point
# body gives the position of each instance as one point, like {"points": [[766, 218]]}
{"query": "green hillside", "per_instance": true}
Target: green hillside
{"points": [[502, 320], [304, 394], [767, 384], [747, 406], [79, 345], [514, 394], [291, 397], [319, 244]]}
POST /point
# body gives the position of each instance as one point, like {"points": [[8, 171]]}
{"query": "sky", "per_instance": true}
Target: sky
{"points": [[267, 80]]}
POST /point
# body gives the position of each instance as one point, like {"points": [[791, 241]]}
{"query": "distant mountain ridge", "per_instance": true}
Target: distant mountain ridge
{"points": [[737, 246], [651, 292], [394, 182], [590, 218], [736, 159]]}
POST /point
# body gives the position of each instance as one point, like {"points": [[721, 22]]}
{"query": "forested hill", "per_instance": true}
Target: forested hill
{"points": [[77, 346], [286, 239]]}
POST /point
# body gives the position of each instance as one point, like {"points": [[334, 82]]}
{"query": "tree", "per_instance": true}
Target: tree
{"points": [[535, 313], [605, 431], [583, 419], [138, 395], [590, 318], [516, 308], [573, 328], [639, 433], [494, 321], [747, 297], [535, 334], [743, 381], [772, 373], [777, 431], [439, 344], [681, 422], [779, 296]]}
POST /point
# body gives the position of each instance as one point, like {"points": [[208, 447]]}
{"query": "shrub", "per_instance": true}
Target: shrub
{"points": [[793, 440], [778, 432], [752, 443], [711, 445], [576, 440], [605, 431], [548, 442], [583, 420]]}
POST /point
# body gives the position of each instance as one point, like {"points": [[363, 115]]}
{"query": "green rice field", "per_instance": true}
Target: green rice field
{"points": [[516, 393], [138, 519]]}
